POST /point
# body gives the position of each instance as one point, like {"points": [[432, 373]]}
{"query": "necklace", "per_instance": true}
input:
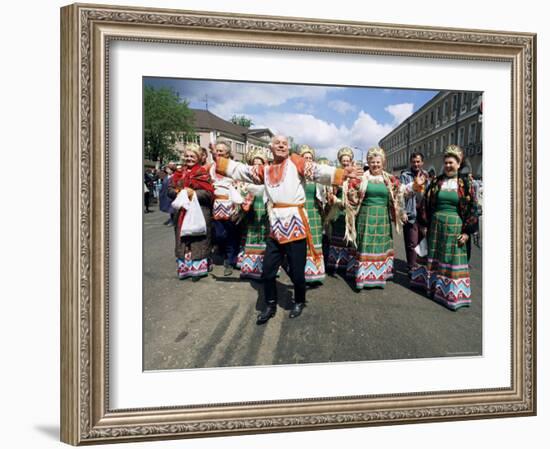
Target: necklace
{"points": [[449, 184], [275, 173], [375, 178]]}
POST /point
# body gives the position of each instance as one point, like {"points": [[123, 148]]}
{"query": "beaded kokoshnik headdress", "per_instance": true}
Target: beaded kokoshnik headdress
{"points": [[376, 151], [345, 151], [454, 151], [303, 149], [256, 153]]}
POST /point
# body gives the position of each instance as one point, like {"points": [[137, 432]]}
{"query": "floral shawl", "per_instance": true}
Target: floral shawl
{"points": [[356, 194], [467, 203]]}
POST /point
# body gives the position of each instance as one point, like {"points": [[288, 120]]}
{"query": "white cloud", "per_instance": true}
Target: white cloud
{"points": [[366, 131], [400, 111], [225, 98], [305, 107], [324, 136], [342, 107]]}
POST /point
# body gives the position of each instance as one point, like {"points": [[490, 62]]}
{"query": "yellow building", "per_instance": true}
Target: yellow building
{"points": [[209, 128], [451, 117]]}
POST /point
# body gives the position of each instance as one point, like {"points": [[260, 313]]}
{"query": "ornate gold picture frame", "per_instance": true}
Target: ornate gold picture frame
{"points": [[87, 32]]}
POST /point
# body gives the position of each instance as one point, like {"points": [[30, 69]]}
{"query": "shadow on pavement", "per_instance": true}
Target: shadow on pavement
{"points": [[284, 295], [400, 273]]}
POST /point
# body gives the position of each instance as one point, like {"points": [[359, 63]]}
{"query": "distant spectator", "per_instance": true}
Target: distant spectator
{"points": [[165, 203], [146, 198]]}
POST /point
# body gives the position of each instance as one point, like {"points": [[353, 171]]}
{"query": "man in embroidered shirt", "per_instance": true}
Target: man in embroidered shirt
{"points": [[289, 228], [412, 231], [225, 210]]}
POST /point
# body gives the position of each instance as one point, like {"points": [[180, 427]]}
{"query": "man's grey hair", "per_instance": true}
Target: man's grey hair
{"points": [[278, 136], [226, 143]]}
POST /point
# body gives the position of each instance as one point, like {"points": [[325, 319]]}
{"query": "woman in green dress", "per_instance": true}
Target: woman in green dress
{"points": [[449, 210], [375, 204], [250, 260], [315, 201]]}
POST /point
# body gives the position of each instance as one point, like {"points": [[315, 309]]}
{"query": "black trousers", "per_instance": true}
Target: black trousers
{"points": [[227, 235], [147, 200], [413, 235], [296, 257]]}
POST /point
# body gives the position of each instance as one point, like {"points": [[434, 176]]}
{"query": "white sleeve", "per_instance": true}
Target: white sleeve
{"points": [[327, 175], [241, 172]]}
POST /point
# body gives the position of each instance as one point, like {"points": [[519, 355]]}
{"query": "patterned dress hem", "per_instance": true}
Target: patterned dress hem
{"points": [[188, 268]]}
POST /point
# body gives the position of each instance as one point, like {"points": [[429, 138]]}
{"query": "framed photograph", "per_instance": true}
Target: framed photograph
{"points": [[169, 332]]}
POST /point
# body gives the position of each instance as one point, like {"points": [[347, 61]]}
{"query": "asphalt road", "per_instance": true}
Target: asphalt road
{"points": [[212, 323]]}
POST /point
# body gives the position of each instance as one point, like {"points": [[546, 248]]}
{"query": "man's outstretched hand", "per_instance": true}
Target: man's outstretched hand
{"points": [[353, 172]]}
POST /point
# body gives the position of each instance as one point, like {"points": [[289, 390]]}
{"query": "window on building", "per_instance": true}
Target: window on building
{"points": [[475, 100], [463, 102], [436, 145], [445, 110], [472, 133], [190, 139], [443, 143], [451, 137], [461, 136]]}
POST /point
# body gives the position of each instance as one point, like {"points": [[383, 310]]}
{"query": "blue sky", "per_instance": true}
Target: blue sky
{"points": [[325, 117]]}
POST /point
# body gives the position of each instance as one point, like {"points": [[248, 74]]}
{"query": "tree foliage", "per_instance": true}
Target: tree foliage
{"points": [[242, 120], [166, 118]]}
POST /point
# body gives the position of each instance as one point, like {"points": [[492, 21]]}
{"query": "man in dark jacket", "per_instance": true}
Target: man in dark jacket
{"points": [[412, 230]]}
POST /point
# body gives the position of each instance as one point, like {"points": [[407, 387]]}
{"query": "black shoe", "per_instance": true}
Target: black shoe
{"points": [[266, 315], [296, 310], [195, 279], [227, 269]]}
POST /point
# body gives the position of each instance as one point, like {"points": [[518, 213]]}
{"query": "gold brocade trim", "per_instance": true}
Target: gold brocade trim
{"points": [[222, 164], [339, 176]]}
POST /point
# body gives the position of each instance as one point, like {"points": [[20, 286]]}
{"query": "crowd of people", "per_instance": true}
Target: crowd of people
{"points": [[300, 213]]}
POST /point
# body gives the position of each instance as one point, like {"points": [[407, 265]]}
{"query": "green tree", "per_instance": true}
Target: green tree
{"points": [[292, 145], [166, 118], [242, 120]]}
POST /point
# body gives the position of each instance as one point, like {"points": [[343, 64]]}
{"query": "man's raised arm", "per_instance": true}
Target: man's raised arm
{"points": [[325, 174], [239, 171]]}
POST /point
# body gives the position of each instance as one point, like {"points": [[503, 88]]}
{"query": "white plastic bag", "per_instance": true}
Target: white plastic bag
{"points": [[181, 200], [194, 223], [235, 196], [422, 248]]}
